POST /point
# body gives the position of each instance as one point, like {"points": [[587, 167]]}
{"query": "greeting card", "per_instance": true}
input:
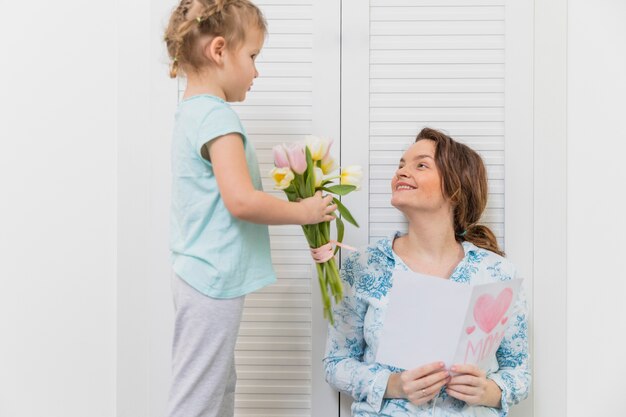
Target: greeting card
{"points": [[431, 319]]}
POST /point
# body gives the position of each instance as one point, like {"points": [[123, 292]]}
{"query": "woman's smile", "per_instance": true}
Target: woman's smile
{"points": [[401, 186]]}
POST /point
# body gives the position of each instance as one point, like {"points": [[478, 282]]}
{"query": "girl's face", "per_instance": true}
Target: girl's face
{"points": [[239, 66], [416, 186]]}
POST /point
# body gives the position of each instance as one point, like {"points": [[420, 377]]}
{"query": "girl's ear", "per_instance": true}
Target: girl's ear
{"points": [[214, 50]]}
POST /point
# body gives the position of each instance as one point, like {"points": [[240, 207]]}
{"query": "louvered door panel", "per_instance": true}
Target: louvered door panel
{"points": [[273, 351], [438, 64]]}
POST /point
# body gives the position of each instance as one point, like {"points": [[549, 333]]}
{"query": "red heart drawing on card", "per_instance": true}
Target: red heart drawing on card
{"points": [[470, 329], [489, 311]]}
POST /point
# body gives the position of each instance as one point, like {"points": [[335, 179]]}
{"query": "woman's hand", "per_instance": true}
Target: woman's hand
{"points": [[472, 386], [418, 385]]}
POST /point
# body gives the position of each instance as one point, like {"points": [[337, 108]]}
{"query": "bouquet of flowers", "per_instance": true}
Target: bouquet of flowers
{"points": [[302, 169]]}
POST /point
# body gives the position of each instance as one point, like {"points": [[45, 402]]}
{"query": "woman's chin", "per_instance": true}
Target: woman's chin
{"points": [[399, 204]]}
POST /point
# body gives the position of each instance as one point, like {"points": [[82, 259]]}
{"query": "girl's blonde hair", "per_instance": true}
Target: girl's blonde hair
{"points": [[193, 20], [464, 182]]}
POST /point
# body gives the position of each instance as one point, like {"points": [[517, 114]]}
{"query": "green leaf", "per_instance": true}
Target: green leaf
{"points": [[340, 232], [308, 234], [310, 173], [345, 212], [340, 189], [292, 194]]}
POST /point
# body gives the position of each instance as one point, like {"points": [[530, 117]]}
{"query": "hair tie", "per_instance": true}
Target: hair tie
{"points": [[468, 227]]}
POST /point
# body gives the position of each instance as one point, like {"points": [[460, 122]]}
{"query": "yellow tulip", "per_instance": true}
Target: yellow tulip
{"points": [[282, 177], [318, 147], [351, 175], [319, 176], [328, 164]]}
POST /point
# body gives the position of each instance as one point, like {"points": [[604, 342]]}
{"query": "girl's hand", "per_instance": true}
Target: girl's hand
{"points": [[318, 209], [472, 386], [418, 385]]}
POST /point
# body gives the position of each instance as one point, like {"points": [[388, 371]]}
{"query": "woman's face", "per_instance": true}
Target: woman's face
{"points": [[416, 186]]}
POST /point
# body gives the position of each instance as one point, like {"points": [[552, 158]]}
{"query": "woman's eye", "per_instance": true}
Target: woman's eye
{"points": [[421, 165]]}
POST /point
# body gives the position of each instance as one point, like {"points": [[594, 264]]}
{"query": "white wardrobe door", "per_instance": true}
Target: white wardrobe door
{"points": [[276, 345], [436, 64], [273, 353]]}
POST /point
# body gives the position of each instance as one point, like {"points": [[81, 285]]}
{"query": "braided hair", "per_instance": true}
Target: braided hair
{"points": [[194, 20]]}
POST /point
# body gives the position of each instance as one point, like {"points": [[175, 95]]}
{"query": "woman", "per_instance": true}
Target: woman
{"points": [[441, 188]]}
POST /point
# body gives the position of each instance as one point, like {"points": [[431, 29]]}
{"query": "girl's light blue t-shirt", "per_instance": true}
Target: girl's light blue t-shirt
{"points": [[214, 252]]}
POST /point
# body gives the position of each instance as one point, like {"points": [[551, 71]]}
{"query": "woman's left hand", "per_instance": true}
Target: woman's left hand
{"points": [[470, 384]]}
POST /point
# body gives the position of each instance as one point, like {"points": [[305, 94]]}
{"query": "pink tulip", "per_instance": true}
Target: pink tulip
{"points": [[297, 158], [280, 156]]}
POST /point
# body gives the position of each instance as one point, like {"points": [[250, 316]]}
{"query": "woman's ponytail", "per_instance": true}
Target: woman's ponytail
{"points": [[483, 237], [464, 182]]}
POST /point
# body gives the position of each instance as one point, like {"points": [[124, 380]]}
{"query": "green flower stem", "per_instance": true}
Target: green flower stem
{"points": [[303, 186], [327, 305], [325, 298], [336, 286], [327, 272]]}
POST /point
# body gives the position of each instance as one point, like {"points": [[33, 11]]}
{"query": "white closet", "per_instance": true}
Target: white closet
{"points": [[370, 76]]}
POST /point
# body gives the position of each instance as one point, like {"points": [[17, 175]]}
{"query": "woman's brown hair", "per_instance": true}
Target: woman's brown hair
{"points": [[464, 182], [193, 20]]}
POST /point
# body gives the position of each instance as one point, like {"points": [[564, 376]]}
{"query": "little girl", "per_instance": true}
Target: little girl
{"points": [[219, 215]]}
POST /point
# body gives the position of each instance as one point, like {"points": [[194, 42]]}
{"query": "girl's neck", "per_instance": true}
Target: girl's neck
{"points": [[204, 83]]}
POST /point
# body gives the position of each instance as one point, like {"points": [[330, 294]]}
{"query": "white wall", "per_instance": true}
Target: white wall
{"points": [[145, 109], [596, 224], [57, 209]]}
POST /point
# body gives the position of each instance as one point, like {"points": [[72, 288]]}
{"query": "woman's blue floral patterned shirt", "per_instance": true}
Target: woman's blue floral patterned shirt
{"points": [[353, 340]]}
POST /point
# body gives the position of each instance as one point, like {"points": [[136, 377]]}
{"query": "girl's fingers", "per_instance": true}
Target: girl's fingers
{"points": [[331, 208]]}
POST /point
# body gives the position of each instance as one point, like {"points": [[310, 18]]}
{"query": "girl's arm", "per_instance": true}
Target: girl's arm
{"points": [[246, 203], [343, 362]]}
